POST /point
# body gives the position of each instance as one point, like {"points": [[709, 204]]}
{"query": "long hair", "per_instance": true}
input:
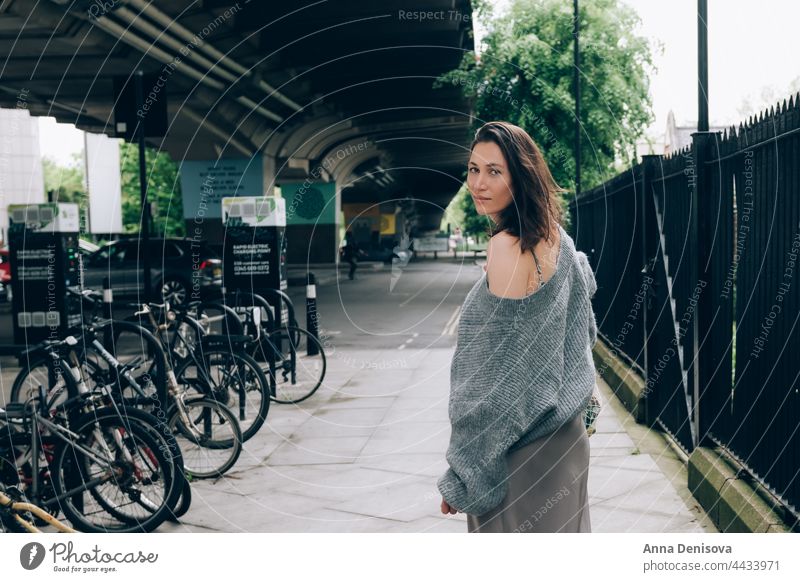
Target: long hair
{"points": [[535, 206]]}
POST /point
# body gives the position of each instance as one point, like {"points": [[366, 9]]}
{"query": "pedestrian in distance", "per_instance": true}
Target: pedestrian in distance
{"points": [[522, 373], [350, 252]]}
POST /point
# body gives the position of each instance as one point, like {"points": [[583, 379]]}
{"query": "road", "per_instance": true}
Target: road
{"points": [[391, 307]]}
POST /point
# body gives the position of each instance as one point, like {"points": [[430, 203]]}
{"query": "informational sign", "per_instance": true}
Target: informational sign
{"points": [[43, 249], [388, 224], [430, 244], [205, 183], [310, 202], [255, 245]]}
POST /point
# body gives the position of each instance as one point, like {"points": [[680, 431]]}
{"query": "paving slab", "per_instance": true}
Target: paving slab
{"points": [[364, 453]]}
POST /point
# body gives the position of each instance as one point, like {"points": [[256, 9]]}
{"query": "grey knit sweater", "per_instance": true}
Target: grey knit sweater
{"points": [[521, 369]]}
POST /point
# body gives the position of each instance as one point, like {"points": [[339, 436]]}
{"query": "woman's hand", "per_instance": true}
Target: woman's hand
{"points": [[447, 508]]}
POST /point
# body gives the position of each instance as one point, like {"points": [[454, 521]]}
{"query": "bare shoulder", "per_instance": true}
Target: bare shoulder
{"points": [[506, 271], [503, 245]]}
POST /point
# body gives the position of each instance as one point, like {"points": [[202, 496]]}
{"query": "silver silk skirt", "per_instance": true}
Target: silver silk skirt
{"points": [[547, 487]]}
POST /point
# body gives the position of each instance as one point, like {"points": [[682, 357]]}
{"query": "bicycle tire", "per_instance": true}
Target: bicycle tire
{"points": [[238, 382], [150, 467], [184, 502], [297, 375], [43, 371], [161, 431], [129, 341], [208, 455]]}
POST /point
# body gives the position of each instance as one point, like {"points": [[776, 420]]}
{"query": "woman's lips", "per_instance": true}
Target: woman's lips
{"points": [[481, 199]]}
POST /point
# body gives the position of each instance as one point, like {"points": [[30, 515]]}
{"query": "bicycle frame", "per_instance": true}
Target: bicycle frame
{"points": [[15, 508]]}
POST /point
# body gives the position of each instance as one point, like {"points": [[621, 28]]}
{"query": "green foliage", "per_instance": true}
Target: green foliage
{"points": [[67, 184], [461, 213], [525, 76], [163, 188]]}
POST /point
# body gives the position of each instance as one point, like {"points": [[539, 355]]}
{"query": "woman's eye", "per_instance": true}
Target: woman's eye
{"points": [[472, 170], [495, 172]]}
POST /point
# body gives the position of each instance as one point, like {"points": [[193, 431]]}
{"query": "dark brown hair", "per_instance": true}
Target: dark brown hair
{"points": [[535, 206]]}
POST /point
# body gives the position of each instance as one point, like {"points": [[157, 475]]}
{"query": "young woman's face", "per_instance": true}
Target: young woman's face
{"points": [[488, 179]]}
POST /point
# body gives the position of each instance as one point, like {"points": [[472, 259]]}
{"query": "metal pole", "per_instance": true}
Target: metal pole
{"points": [[577, 83], [144, 238], [702, 65], [311, 313]]}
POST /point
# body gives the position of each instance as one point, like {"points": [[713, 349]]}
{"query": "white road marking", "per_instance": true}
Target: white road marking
{"points": [[403, 304], [452, 323]]}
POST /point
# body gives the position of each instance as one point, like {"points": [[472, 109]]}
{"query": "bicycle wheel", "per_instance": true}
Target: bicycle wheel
{"points": [[134, 346], [41, 371], [124, 465], [168, 444], [235, 380], [300, 364], [209, 437], [184, 502]]}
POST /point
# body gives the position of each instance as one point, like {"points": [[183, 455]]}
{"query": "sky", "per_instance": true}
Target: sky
{"points": [[753, 49]]}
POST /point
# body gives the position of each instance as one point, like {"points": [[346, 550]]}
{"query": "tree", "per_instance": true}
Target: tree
{"points": [[67, 184], [525, 76], [163, 189], [768, 96]]}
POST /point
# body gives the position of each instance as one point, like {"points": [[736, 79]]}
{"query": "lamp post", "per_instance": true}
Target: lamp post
{"points": [[577, 83], [702, 65]]}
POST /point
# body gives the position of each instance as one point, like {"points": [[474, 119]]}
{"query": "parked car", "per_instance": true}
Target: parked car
{"points": [[181, 269], [86, 247], [5, 275]]}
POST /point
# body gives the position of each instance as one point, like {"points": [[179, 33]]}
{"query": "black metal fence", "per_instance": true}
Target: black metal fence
{"points": [[697, 259]]}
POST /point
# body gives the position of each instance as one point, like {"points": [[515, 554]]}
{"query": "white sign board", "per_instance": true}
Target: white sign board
{"points": [[47, 217], [254, 210], [103, 183], [429, 244]]}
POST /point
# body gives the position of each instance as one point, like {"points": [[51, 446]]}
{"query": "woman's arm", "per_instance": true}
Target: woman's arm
{"points": [[481, 436]]}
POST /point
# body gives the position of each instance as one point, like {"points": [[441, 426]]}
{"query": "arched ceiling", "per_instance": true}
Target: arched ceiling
{"points": [[301, 81]]}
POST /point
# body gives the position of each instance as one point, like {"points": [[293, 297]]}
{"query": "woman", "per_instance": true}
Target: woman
{"points": [[522, 373]]}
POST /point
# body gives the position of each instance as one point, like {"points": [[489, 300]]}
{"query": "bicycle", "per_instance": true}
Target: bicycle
{"points": [[218, 367], [196, 421], [18, 515], [58, 369], [105, 470], [295, 359]]}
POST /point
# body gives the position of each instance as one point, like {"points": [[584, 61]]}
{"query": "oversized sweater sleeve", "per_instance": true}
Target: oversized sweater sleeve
{"points": [[489, 413], [586, 269], [591, 284], [480, 439]]}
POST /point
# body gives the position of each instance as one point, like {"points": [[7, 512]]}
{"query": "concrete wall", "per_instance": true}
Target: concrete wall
{"points": [[734, 502]]}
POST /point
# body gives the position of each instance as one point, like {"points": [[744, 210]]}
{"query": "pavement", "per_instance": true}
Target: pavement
{"points": [[364, 453]]}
